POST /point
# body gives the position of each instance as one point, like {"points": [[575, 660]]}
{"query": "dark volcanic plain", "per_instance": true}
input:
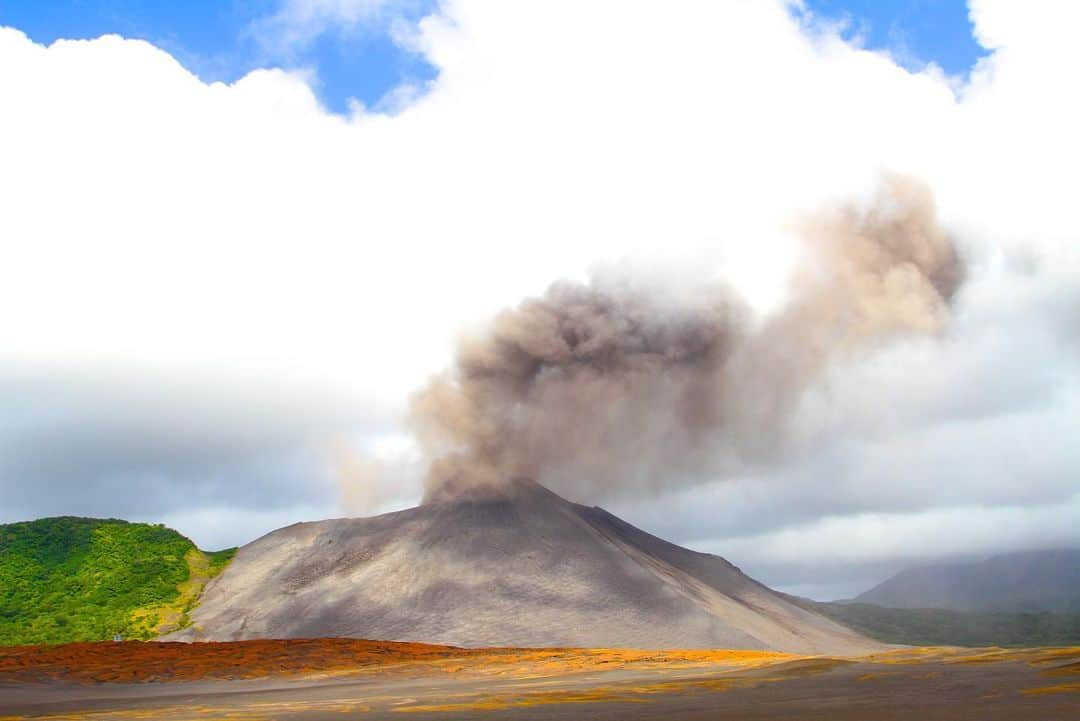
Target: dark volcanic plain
{"points": [[345, 678]]}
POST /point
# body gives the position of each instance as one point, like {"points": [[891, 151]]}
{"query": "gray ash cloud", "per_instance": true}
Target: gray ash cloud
{"points": [[632, 383]]}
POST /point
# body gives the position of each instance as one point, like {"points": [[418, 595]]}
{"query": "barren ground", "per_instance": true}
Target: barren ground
{"points": [[341, 678]]}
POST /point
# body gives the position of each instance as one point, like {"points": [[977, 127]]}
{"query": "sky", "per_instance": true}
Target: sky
{"points": [[348, 50], [238, 236]]}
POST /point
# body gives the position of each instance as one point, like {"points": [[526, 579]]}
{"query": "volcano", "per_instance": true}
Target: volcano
{"points": [[517, 567]]}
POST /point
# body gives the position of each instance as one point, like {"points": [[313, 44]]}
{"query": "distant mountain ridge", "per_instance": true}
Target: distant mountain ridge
{"points": [[87, 579], [1021, 582]]}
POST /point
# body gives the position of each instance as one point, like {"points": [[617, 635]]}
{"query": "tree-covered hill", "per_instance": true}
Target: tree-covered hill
{"points": [[81, 579]]}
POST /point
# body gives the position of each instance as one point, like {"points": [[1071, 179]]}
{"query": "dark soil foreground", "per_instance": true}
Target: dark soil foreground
{"points": [[311, 680]]}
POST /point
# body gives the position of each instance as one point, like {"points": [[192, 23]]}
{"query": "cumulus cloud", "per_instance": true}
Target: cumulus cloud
{"points": [[297, 23], [162, 227]]}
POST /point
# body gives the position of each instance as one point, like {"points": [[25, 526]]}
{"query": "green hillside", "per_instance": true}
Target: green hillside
{"points": [[82, 579], [940, 627]]}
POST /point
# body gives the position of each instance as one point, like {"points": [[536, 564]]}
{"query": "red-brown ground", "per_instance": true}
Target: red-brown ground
{"points": [[137, 662]]}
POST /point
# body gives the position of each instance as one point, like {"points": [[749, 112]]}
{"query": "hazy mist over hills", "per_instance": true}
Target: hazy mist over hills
{"points": [[1028, 581]]}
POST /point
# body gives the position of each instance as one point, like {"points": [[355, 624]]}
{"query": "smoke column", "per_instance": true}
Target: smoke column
{"points": [[631, 384]]}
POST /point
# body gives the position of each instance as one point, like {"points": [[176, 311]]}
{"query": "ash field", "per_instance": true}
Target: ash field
{"points": [[344, 678]]}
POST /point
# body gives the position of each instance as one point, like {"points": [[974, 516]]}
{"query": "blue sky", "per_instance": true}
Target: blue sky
{"points": [[224, 39], [914, 31]]}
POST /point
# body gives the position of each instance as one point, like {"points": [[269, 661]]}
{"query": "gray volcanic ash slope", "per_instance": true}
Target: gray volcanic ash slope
{"points": [[521, 568]]}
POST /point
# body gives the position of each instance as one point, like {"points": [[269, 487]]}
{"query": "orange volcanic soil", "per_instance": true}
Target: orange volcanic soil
{"points": [[135, 661], [138, 662]]}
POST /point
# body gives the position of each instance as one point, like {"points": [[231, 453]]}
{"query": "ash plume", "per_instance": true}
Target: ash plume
{"points": [[629, 384]]}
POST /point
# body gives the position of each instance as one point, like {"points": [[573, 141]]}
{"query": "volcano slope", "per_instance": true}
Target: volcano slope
{"points": [[521, 567]]}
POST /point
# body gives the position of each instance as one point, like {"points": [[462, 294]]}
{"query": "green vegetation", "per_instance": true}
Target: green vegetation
{"points": [[939, 627], [219, 560], [84, 579]]}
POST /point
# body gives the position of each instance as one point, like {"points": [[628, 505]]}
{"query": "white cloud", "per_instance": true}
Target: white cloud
{"points": [[841, 556], [156, 224], [297, 23], [951, 531]]}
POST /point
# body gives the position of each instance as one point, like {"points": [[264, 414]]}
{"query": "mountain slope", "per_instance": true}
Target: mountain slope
{"points": [[1023, 582], [83, 579], [527, 568]]}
